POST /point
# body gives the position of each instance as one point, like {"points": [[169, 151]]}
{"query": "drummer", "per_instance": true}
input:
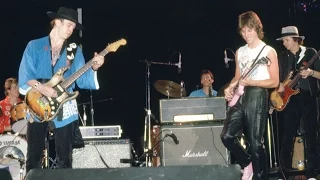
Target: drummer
{"points": [[11, 92], [207, 79]]}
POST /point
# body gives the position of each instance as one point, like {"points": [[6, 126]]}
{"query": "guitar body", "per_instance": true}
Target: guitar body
{"points": [[237, 93], [279, 100], [46, 108], [240, 89]]}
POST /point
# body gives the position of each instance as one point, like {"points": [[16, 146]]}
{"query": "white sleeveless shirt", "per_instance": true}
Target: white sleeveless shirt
{"points": [[246, 56]]}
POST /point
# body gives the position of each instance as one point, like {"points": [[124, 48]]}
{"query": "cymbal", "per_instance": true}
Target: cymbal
{"points": [[169, 88]]}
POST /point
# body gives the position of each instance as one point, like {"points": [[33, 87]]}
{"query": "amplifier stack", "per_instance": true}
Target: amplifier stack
{"points": [[190, 132]]}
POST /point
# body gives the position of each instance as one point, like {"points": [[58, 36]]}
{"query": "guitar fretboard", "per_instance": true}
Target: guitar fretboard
{"points": [[297, 77], [81, 71]]}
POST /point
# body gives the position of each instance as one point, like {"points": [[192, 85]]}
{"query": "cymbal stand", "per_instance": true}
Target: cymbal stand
{"points": [[22, 162], [147, 120]]}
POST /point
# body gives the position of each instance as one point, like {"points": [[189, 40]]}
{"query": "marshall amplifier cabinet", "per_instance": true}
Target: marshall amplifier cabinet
{"points": [[189, 109], [192, 145], [102, 154]]}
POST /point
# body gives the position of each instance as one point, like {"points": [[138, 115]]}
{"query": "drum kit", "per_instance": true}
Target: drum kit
{"points": [[13, 147]]}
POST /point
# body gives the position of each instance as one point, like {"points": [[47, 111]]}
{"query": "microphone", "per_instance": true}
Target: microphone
{"points": [[179, 64], [226, 59], [182, 88], [84, 115], [11, 156], [174, 138], [210, 91]]}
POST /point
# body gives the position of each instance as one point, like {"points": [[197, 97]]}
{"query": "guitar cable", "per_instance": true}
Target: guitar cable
{"points": [[100, 156], [214, 144]]}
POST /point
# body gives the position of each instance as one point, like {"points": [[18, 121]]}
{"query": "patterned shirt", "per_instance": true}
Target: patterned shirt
{"points": [[5, 106]]}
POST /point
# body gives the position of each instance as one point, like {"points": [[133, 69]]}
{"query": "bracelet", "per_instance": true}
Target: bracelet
{"points": [[36, 85]]}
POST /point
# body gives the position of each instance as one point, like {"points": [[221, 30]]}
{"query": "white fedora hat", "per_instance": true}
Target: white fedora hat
{"points": [[290, 31]]}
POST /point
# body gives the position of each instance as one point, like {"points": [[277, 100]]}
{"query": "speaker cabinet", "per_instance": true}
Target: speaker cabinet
{"points": [[102, 154], [198, 145], [230, 172]]}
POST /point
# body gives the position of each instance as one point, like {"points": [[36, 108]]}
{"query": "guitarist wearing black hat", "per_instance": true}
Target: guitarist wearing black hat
{"points": [[53, 58]]}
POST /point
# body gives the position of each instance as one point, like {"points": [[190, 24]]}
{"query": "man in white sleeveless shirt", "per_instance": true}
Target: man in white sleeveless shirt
{"points": [[249, 114]]}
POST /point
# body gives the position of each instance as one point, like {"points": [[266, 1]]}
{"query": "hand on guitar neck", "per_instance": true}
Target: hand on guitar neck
{"points": [[280, 88], [236, 89], [98, 61], [229, 91]]}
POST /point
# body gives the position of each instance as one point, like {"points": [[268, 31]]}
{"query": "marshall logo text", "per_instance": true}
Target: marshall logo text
{"points": [[190, 154]]}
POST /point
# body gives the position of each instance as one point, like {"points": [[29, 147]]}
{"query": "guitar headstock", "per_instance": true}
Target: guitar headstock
{"points": [[113, 47]]}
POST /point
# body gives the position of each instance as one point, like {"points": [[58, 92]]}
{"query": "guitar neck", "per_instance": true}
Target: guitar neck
{"points": [[297, 77], [65, 84]]}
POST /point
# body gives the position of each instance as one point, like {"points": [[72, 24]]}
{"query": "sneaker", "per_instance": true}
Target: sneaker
{"points": [[247, 172]]}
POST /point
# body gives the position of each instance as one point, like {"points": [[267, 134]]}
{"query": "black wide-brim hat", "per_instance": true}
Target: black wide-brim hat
{"points": [[66, 13]]}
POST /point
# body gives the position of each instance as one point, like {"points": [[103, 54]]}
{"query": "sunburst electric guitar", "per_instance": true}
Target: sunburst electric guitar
{"points": [[46, 108], [239, 90], [279, 100]]}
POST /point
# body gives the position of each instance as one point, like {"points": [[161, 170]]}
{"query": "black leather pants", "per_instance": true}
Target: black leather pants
{"points": [[36, 143], [248, 116]]}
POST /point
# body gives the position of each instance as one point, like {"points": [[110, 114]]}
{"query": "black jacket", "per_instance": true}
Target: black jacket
{"points": [[287, 62]]}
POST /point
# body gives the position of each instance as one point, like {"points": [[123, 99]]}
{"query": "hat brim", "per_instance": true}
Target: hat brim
{"points": [[54, 15], [301, 37]]}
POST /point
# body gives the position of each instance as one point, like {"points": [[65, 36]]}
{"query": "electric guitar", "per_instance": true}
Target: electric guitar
{"points": [[239, 90], [279, 100], [46, 108]]}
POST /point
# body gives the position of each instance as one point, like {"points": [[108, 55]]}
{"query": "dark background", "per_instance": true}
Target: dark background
{"points": [[155, 31]]}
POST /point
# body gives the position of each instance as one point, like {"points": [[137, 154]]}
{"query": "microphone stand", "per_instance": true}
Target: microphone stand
{"points": [[91, 109], [147, 120], [149, 153], [147, 123], [272, 145]]}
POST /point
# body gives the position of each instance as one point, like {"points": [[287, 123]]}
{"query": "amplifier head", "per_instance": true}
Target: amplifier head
{"points": [[192, 110]]}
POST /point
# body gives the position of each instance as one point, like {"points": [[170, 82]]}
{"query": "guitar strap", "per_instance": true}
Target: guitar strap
{"points": [[258, 56], [71, 51], [254, 61]]}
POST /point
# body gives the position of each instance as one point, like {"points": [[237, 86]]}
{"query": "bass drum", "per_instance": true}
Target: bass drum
{"points": [[13, 150]]}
